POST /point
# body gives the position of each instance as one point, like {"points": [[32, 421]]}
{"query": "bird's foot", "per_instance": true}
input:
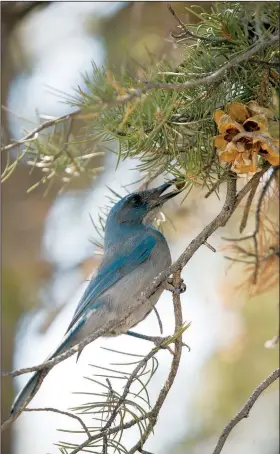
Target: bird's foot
{"points": [[157, 340], [168, 285]]}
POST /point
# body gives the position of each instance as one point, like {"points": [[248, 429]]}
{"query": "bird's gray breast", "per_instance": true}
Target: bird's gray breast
{"points": [[123, 296]]}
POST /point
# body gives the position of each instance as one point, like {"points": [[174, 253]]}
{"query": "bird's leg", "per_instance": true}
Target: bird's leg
{"points": [[158, 319], [157, 340], [168, 285]]}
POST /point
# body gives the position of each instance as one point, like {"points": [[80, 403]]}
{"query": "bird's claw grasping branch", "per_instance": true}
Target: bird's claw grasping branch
{"points": [[168, 285], [160, 341], [163, 342]]}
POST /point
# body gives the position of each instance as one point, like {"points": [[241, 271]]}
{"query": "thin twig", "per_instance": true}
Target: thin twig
{"points": [[251, 183], [188, 34], [66, 413], [65, 148], [113, 430], [143, 451], [105, 444], [216, 185], [209, 246], [248, 206], [260, 259], [38, 129], [244, 412]]}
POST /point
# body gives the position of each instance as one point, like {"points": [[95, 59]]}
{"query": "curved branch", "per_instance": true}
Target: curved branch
{"points": [[60, 412], [244, 412]]}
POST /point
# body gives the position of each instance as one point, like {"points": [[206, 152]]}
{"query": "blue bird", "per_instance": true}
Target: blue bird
{"points": [[134, 254]]}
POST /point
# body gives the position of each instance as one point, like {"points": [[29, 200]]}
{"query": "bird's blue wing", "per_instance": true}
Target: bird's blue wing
{"points": [[120, 264]]}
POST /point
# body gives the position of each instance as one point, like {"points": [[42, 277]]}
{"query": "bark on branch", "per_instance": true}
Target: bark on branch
{"points": [[244, 412]]}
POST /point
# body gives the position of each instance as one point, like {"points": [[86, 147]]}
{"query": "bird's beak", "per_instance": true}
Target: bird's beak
{"points": [[157, 199]]}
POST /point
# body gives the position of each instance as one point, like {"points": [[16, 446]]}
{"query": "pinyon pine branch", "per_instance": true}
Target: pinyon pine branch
{"points": [[164, 117], [244, 412]]}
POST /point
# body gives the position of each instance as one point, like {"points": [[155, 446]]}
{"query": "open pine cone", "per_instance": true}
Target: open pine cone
{"points": [[246, 132]]}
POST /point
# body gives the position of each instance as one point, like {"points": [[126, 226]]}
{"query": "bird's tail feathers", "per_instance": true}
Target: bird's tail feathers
{"points": [[32, 386], [27, 393]]}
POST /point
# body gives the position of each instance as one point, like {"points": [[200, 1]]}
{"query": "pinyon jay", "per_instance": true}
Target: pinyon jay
{"points": [[134, 254]]}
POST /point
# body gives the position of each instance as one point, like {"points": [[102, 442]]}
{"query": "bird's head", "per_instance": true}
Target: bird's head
{"points": [[140, 207]]}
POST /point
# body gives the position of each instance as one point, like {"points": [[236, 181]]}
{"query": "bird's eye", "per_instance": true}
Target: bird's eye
{"points": [[136, 200]]}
